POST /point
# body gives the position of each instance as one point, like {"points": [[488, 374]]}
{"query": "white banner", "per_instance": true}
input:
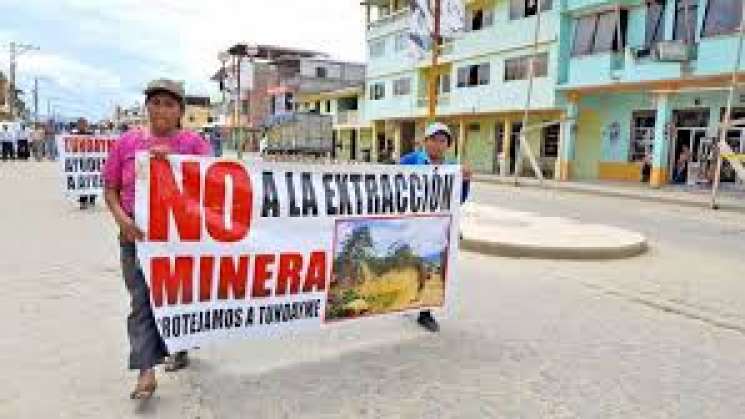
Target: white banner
{"points": [[235, 250], [81, 159], [452, 18]]}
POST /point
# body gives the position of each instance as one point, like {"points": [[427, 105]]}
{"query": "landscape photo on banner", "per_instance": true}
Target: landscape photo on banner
{"points": [[81, 159], [235, 250]]}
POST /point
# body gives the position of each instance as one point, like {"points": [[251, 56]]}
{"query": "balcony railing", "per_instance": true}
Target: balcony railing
{"points": [[348, 118], [389, 18], [442, 100]]}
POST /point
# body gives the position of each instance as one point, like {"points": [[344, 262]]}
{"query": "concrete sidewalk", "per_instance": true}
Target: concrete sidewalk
{"points": [[496, 231], [691, 196]]}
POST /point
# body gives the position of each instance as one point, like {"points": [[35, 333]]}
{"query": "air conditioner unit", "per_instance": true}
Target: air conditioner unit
{"points": [[676, 51]]}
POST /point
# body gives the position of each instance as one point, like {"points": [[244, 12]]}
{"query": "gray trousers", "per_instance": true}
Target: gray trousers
{"points": [[147, 348]]}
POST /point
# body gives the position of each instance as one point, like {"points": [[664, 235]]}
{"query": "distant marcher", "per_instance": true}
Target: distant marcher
{"points": [[86, 201], [6, 138], [37, 142], [215, 136], [50, 142], [22, 148], [164, 100], [437, 140]]}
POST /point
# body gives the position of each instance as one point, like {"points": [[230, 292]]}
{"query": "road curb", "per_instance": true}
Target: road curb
{"points": [[568, 187], [494, 248]]}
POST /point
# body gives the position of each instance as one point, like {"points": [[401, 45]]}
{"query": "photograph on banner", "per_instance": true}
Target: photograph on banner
{"points": [[81, 159], [388, 265], [234, 250]]}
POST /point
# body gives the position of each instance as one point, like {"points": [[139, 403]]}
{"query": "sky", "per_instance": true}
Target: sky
{"points": [[95, 54], [425, 235]]}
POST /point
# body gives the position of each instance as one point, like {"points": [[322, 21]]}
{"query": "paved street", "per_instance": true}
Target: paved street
{"points": [[650, 337]]}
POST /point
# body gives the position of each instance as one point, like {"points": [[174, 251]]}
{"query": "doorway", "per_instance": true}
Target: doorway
{"points": [[408, 133], [691, 138]]}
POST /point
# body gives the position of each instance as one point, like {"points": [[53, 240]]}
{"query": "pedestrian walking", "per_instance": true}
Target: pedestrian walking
{"points": [[22, 140], [37, 142], [50, 142], [215, 136], [6, 139], [164, 100], [82, 128], [437, 140]]}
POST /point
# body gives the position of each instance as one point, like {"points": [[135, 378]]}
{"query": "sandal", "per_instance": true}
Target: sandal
{"points": [[143, 391], [179, 360]]}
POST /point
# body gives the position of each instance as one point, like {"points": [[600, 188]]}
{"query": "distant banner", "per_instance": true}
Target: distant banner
{"points": [[235, 250], [81, 160]]}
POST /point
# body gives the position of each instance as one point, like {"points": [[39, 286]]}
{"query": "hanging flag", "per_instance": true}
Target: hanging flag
{"points": [[452, 18], [421, 24]]}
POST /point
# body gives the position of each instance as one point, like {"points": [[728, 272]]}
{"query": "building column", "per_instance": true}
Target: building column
{"points": [[504, 163], [374, 147], [396, 141], [658, 176], [461, 154], [568, 139]]}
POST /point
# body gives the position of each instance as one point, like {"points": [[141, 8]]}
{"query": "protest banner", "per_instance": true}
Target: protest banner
{"points": [[239, 250], [82, 158]]}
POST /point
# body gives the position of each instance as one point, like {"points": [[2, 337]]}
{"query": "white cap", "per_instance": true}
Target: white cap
{"points": [[435, 128]]}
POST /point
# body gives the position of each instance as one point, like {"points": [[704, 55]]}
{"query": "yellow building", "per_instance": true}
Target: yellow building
{"points": [[198, 113]]}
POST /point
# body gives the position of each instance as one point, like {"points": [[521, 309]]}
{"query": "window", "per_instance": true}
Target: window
{"points": [[550, 146], [444, 82], [377, 91], [321, 72], [483, 74], [523, 8], [401, 41], [686, 20], [402, 87], [519, 68], [479, 19], [642, 135], [655, 28], [377, 48], [722, 17], [598, 33], [473, 75]]}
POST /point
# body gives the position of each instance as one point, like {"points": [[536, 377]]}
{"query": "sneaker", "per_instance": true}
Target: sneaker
{"points": [[427, 321]]}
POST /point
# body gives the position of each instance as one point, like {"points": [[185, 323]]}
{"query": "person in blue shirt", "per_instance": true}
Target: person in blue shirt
{"points": [[437, 141]]}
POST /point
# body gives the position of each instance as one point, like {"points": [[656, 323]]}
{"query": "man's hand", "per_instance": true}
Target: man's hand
{"points": [[160, 151], [130, 231]]}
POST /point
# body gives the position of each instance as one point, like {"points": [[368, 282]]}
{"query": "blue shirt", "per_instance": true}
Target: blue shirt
{"points": [[419, 158]]}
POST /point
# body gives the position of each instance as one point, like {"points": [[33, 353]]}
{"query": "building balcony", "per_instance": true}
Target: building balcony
{"points": [[442, 100], [347, 118], [394, 22]]}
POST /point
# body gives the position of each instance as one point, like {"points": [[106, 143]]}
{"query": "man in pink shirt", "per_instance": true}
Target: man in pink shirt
{"points": [[165, 108]]}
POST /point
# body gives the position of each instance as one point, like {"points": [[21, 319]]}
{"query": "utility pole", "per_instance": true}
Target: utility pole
{"points": [[722, 145], [523, 141], [432, 111], [36, 100], [16, 50]]}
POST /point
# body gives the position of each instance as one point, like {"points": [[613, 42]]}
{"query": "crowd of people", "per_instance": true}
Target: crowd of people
{"points": [[21, 141]]}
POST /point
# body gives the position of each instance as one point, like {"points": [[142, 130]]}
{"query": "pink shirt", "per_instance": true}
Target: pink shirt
{"points": [[119, 170]]}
